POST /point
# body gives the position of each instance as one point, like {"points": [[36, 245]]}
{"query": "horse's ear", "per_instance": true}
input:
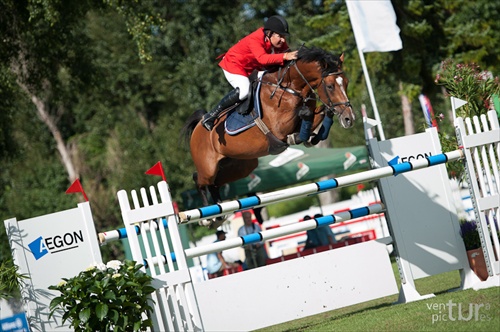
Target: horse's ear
{"points": [[342, 57]]}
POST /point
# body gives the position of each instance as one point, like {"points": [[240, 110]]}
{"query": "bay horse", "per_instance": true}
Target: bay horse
{"points": [[315, 81]]}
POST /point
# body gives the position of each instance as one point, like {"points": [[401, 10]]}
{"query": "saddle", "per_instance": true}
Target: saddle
{"points": [[241, 117], [244, 107], [244, 116]]}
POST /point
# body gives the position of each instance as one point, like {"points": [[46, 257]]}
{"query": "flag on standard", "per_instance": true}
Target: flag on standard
{"points": [[374, 25]]}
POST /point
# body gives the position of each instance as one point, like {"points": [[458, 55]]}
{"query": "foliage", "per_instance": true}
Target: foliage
{"points": [[470, 234], [106, 297], [449, 143], [140, 21], [468, 82], [10, 279]]}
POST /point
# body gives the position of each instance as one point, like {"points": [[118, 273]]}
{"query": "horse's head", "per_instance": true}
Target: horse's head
{"points": [[328, 82]]}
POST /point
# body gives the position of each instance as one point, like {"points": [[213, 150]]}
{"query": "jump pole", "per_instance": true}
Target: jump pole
{"points": [[221, 209], [284, 230], [250, 238]]}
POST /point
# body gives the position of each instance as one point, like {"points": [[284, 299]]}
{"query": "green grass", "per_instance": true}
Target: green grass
{"points": [[385, 315]]}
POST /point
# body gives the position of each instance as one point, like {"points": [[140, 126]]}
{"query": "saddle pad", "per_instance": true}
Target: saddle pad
{"points": [[236, 123]]}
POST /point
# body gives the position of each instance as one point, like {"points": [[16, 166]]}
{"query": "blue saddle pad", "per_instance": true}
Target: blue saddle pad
{"points": [[236, 123]]}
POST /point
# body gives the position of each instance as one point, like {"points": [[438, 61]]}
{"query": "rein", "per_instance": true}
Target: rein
{"points": [[330, 106]]}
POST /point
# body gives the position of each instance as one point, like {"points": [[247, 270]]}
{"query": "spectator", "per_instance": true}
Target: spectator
{"points": [[216, 264], [255, 254], [325, 233], [312, 240]]}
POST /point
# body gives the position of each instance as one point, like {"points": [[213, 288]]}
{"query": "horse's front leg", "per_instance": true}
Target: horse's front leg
{"points": [[214, 191], [203, 191]]}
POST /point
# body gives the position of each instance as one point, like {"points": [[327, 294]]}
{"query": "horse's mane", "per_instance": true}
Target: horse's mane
{"points": [[329, 63]]}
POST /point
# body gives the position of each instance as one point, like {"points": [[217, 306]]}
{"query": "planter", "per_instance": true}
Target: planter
{"points": [[477, 263]]}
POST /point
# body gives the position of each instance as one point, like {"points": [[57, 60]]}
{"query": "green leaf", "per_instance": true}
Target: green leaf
{"points": [[109, 295], [101, 310], [132, 284], [114, 316], [148, 289], [55, 303], [84, 315]]}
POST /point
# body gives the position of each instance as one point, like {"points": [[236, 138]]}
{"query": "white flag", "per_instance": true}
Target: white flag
{"points": [[374, 25]]}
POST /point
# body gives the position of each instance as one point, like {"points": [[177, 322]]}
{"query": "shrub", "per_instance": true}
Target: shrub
{"points": [[110, 297]]}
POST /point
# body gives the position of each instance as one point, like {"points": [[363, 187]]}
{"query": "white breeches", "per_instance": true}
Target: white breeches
{"points": [[238, 81]]}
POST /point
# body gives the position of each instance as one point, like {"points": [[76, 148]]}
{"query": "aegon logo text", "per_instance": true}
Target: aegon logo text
{"points": [[418, 156], [40, 247]]}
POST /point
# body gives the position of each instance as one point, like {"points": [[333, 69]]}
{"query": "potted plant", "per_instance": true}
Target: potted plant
{"points": [[472, 242], [111, 297]]}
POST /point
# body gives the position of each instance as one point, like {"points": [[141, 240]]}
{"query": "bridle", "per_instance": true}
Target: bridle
{"points": [[329, 105]]}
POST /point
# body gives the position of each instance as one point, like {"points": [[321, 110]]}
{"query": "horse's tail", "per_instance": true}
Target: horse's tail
{"points": [[189, 126]]}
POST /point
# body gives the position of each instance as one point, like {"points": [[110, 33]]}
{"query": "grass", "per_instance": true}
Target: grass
{"points": [[470, 311]]}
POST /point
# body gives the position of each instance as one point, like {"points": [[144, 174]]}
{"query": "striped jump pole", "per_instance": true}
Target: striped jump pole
{"points": [[121, 233], [250, 238], [283, 230], [221, 209], [268, 234]]}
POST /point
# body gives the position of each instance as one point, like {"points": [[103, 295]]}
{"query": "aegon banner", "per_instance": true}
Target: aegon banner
{"points": [[63, 243]]}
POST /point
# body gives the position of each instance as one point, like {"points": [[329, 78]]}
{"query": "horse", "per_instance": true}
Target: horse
{"points": [[314, 84]]}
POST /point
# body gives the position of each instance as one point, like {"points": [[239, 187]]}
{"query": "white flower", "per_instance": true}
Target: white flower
{"points": [[90, 268], [115, 265], [100, 266], [116, 275], [62, 283]]}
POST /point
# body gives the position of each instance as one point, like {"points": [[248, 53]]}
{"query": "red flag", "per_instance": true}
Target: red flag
{"points": [[156, 170], [76, 187]]}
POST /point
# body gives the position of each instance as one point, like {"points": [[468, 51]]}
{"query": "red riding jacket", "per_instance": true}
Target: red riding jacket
{"points": [[253, 52]]}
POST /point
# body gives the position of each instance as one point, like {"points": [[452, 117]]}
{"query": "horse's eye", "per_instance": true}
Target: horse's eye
{"points": [[330, 87]]}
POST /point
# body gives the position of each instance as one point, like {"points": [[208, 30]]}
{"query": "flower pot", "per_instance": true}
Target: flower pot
{"points": [[477, 263]]}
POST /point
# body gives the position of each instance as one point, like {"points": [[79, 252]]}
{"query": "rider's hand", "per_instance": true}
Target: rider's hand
{"points": [[290, 56]]}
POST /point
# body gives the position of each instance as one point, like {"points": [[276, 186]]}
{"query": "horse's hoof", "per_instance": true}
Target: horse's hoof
{"points": [[205, 222], [216, 223]]}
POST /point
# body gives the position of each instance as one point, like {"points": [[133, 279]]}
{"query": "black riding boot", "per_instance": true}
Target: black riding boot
{"points": [[229, 100]]}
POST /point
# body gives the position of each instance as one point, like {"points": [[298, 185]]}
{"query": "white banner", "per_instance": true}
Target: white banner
{"points": [[374, 25]]}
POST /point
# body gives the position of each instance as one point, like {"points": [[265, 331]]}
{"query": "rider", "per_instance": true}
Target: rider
{"points": [[264, 47]]}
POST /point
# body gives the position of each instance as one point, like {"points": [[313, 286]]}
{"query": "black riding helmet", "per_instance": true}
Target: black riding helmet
{"points": [[277, 24]]}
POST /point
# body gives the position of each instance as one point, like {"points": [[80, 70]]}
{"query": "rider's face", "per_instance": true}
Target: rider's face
{"points": [[277, 40]]}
